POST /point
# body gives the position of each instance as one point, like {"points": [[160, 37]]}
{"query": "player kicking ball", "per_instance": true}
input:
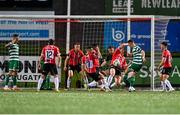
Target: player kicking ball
{"points": [[49, 54], [166, 65], [13, 62], [137, 62]]}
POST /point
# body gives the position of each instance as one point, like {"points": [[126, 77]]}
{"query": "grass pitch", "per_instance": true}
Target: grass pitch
{"points": [[77, 102]]}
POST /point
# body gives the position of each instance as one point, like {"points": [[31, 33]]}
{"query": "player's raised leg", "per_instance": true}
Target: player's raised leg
{"points": [[138, 59]]}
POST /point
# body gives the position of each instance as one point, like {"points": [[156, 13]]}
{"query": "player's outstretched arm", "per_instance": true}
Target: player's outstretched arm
{"points": [[7, 45], [123, 45]]}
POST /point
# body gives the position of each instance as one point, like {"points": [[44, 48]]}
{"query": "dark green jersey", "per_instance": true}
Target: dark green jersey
{"points": [[14, 52], [137, 55]]}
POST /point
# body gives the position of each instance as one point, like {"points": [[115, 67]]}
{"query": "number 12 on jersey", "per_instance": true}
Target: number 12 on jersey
{"points": [[49, 54]]}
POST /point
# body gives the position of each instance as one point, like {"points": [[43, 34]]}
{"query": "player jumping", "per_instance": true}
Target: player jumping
{"points": [[166, 64], [49, 54]]}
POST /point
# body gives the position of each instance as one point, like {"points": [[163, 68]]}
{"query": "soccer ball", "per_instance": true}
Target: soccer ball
{"points": [[116, 62]]}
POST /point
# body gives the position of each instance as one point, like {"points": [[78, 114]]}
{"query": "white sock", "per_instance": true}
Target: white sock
{"points": [[85, 80], [68, 82], [110, 78], [105, 83], [40, 81], [56, 82], [113, 85], [6, 86], [168, 84], [92, 84], [162, 84]]}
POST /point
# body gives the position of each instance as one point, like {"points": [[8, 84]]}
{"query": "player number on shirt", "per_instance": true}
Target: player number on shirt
{"points": [[49, 54]]}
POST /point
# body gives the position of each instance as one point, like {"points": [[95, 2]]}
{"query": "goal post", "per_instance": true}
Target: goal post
{"points": [[103, 30]]}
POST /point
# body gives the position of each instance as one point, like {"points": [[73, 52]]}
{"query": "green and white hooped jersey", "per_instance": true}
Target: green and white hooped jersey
{"points": [[137, 55], [14, 52]]}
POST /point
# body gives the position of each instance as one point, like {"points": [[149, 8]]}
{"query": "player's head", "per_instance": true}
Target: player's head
{"points": [[130, 43], [110, 49], [51, 42], [88, 50], [15, 38], [76, 46], [95, 46], [163, 45], [122, 51]]}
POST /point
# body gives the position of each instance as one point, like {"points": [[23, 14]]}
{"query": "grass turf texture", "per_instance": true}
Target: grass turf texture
{"points": [[89, 102]]}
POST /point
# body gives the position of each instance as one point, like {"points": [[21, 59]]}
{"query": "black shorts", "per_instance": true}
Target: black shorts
{"points": [[118, 70], [166, 70], [98, 70], [95, 76], [49, 68], [76, 67]]}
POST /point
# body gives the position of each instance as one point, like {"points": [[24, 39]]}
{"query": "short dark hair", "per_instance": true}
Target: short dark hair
{"points": [[94, 45], [130, 41], [50, 41], [76, 43], [89, 47], [15, 35], [164, 43], [110, 47]]}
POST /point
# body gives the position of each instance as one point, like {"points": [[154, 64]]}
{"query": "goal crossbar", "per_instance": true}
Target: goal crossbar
{"points": [[75, 17]]}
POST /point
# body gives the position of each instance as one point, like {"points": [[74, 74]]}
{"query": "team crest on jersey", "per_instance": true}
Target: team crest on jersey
{"points": [[89, 64]]}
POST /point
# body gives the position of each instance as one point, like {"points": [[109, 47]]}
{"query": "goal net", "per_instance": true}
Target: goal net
{"points": [[147, 32]]}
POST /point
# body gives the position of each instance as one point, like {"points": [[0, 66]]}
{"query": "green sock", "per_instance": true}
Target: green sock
{"points": [[43, 84], [7, 80], [131, 81], [48, 81], [14, 78]]}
